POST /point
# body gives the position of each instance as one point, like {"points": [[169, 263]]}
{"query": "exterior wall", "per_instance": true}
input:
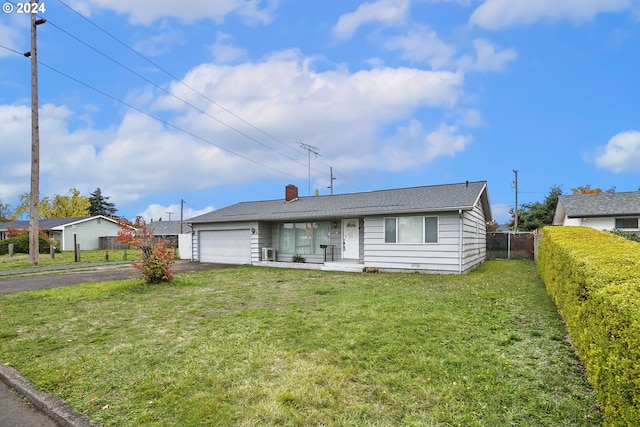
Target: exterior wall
{"points": [[335, 240], [441, 257], [87, 233], [600, 223], [446, 256], [474, 246]]}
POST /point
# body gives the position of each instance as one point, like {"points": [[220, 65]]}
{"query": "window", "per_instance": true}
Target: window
{"points": [[411, 229], [626, 222], [431, 229], [390, 230], [303, 238]]}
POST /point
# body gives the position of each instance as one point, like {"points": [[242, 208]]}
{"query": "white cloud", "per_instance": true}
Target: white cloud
{"points": [[145, 13], [421, 44], [412, 146], [622, 153], [487, 58], [224, 52], [343, 113], [386, 12], [156, 212], [500, 14], [161, 43]]}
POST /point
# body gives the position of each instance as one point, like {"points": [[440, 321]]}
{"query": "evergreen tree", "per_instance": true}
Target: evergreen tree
{"points": [[532, 216], [100, 205]]}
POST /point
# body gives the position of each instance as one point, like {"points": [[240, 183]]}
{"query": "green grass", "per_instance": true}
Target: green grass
{"points": [[253, 346], [20, 261]]}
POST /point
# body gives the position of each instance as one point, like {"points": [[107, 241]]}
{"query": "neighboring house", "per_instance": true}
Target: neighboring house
{"points": [[176, 236], [440, 228], [169, 230], [604, 211], [87, 230]]}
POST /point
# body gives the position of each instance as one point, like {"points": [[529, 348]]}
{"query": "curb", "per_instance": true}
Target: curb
{"points": [[51, 405]]}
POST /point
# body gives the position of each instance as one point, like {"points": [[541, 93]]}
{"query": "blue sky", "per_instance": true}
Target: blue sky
{"points": [[206, 102]]}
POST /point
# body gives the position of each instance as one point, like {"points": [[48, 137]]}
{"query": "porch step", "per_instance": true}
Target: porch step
{"points": [[349, 267]]}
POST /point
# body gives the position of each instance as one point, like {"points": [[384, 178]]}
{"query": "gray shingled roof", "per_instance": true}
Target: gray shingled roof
{"points": [[43, 224], [604, 204], [168, 228], [436, 198]]}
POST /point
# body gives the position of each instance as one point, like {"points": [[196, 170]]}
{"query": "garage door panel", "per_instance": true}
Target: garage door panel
{"points": [[225, 246]]}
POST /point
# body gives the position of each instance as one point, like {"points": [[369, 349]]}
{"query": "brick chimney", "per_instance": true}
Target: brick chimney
{"points": [[291, 193]]}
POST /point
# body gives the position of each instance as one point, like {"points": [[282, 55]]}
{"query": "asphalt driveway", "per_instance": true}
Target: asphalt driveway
{"points": [[55, 277]]}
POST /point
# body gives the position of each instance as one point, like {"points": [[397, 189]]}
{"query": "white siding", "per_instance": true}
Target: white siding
{"points": [[87, 233], [474, 244], [441, 257]]}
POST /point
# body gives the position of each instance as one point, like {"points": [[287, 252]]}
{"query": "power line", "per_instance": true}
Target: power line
{"points": [[171, 125], [171, 94], [179, 80]]}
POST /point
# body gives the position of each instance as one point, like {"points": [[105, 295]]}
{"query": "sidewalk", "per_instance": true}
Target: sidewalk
{"points": [[35, 270]]}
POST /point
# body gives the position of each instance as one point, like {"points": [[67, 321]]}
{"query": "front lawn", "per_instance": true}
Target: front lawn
{"points": [[253, 346]]}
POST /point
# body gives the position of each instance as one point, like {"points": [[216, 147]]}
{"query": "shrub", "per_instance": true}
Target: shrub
{"points": [[594, 279], [21, 245], [157, 258], [297, 258]]}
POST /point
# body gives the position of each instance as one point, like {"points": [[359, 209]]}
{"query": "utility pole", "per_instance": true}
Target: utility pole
{"points": [[169, 213], [310, 149], [34, 255], [332, 178], [514, 184], [181, 214]]}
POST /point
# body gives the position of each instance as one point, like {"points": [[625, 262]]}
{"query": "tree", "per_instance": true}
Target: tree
{"points": [[586, 189], [100, 205], [532, 216], [157, 258], [5, 212], [74, 205]]}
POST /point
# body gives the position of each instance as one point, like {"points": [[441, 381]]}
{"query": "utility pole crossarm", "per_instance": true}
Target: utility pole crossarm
{"points": [[310, 149]]}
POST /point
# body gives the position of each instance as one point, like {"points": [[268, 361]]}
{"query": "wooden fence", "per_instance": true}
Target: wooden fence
{"points": [[510, 246]]}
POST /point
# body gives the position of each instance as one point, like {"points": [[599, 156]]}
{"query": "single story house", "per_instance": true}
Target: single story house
{"points": [[87, 230], [169, 230], [604, 211], [177, 235], [439, 229]]}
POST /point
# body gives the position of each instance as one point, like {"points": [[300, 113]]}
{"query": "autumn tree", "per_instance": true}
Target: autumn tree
{"points": [[157, 258], [532, 216], [586, 189], [100, 205], [60, 206]]}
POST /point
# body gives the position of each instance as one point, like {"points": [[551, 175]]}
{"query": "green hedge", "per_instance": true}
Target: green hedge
{"points": [[594, 279], [21, 245]]}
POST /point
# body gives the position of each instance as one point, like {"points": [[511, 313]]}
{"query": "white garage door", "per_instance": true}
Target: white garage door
{"points": [[225, 246]]}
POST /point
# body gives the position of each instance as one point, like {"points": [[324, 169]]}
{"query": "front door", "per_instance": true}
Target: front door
{"points": [[351, 238]]}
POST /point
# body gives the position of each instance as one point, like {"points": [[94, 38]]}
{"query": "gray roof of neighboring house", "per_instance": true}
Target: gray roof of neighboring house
{"points": [[44, 224], [168, 228], [594, 205], [435, 198]]}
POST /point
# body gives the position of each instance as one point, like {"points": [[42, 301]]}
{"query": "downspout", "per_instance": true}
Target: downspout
{"points": [[460, 243]]}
